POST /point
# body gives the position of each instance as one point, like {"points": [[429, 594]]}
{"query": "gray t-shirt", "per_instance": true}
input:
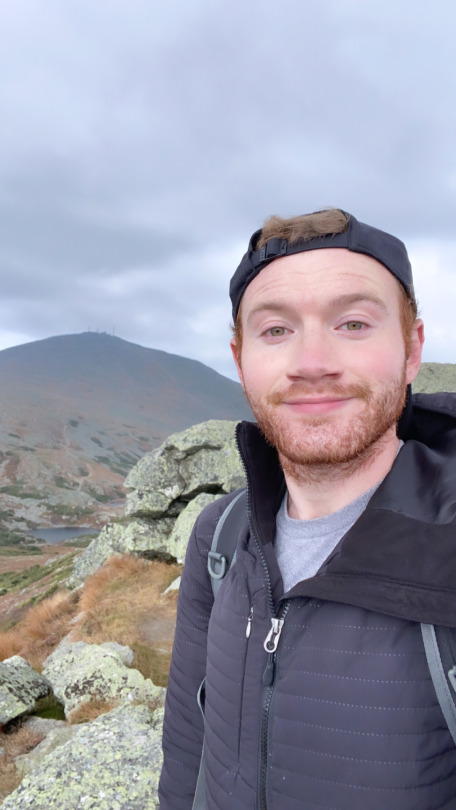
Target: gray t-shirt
{"points": [[302, 546]]}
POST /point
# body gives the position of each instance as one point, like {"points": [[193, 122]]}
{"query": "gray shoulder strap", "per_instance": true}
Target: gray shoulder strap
{"points": [[439, 679], [220, 559], [223, 549]]}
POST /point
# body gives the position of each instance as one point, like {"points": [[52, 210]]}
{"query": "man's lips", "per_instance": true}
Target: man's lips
{"points": [[316, 404]]}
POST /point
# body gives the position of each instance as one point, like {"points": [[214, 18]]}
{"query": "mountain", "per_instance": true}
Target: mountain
{"points": [[77, 411]]}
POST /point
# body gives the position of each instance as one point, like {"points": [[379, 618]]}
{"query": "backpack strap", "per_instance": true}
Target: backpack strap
{"points": [[440, 648], [220, 559], [223, 549]]}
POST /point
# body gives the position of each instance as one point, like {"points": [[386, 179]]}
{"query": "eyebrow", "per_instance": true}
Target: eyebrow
{"points": [[358, 298], [335, 303]]}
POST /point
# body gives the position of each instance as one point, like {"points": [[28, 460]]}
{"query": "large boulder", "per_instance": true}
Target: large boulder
{"points": [[112, 763], [178, 540], [79, 673], [20, 688], [168, 488], [203, 458]]}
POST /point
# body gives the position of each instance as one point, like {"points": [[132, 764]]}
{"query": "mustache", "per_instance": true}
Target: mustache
{"points": [[303, 390]]}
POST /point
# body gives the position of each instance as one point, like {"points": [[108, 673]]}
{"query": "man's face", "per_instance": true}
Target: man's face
{"points": [[323, 361]]}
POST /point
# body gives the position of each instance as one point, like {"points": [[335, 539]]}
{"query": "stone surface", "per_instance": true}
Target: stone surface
{"points": [[79, 672], [177, 543], [175, 585], [167, 489], [142, 537], [54, 738], [112, 763], [20, 688], [203, 458], [42, 725]]}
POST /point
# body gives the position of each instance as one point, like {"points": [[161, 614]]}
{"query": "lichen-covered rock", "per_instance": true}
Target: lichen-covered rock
{"points": [[20, 688], [112, 763], [141, 537], [124, 652], [79, 672], [54, 737], [177, 543], [164, 486], [203, 458]]}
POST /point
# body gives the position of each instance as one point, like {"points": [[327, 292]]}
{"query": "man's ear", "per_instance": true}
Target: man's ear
{"points": [[237, 358], [416, 348]]}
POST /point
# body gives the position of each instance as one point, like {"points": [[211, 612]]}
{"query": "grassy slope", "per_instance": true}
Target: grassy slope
{"points": [[122, 602]]}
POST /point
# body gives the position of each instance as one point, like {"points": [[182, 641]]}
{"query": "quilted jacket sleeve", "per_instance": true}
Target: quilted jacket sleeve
{"points": [[183, 725]]}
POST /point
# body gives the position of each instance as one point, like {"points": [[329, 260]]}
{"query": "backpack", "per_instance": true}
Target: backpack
{"points": [[439, 642]]}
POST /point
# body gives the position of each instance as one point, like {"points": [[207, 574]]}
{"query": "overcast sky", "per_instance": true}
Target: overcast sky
{"points": [[141, 143]]}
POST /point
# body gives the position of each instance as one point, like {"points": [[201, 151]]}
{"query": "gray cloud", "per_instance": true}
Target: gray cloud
{"points": [[142, 143]]}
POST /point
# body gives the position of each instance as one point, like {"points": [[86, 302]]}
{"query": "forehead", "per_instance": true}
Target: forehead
{"points": [[315, 275]]}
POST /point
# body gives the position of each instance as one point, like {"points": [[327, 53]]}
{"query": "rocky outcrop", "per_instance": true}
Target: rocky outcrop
{"points": [[80, 672], [112, 763], [167, 490], [55, 733], [20, 688]]}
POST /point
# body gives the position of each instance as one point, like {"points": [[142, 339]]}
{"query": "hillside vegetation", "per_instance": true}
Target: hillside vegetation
{"points": [[78, 411]]}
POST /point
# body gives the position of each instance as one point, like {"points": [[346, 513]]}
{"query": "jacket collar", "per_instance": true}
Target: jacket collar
{"points": [[399, 558]]}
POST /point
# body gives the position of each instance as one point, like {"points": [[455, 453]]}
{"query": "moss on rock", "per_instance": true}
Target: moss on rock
{"points": [[112, 763]]}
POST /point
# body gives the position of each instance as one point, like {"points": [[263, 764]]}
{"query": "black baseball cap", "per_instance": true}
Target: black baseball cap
{"points": [[358, 237]]}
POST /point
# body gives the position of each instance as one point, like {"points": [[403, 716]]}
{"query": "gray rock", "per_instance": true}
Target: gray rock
{"points": [[124, 652], [112, 763], [53, 739], [80, 672], [177, 543], [203, 458], [141, 537], [20, 688], [163, 486], [175, 585], [42, 725]]}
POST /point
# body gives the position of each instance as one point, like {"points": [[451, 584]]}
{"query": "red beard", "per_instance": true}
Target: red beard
{"points": [[329, 439]]}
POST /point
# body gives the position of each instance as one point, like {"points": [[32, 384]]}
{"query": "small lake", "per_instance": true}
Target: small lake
{"points": [[61, 533]]}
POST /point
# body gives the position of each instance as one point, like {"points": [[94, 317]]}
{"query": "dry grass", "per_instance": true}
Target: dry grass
{"points": [[55, 610], [41, 629], [10, 644], [122, 602], [17, 741], [90, 711]]}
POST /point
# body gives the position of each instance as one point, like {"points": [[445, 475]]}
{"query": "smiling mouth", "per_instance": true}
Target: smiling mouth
{"points": [[317, 404]]}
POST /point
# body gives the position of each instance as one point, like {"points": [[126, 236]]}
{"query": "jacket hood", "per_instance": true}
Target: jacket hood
{"points": [[399, 558]]}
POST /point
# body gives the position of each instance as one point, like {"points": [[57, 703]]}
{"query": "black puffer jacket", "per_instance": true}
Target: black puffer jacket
{"points": [[343, 714]]}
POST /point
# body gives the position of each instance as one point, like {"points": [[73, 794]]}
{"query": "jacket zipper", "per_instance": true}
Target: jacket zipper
{"points": [[270, 645]]}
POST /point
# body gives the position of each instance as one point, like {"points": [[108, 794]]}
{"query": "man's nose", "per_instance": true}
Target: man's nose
{"points": [[314, 355]]}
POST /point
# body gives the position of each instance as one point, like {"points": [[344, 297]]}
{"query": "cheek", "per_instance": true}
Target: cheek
{"points": [[256, 373], [388, 362]]}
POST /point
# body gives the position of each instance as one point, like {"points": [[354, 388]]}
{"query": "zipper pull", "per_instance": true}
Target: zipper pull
{"points": [[272, 639], [249, 623]]}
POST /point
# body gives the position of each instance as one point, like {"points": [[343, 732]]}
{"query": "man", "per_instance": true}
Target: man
{"points": [[318, 694]]}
